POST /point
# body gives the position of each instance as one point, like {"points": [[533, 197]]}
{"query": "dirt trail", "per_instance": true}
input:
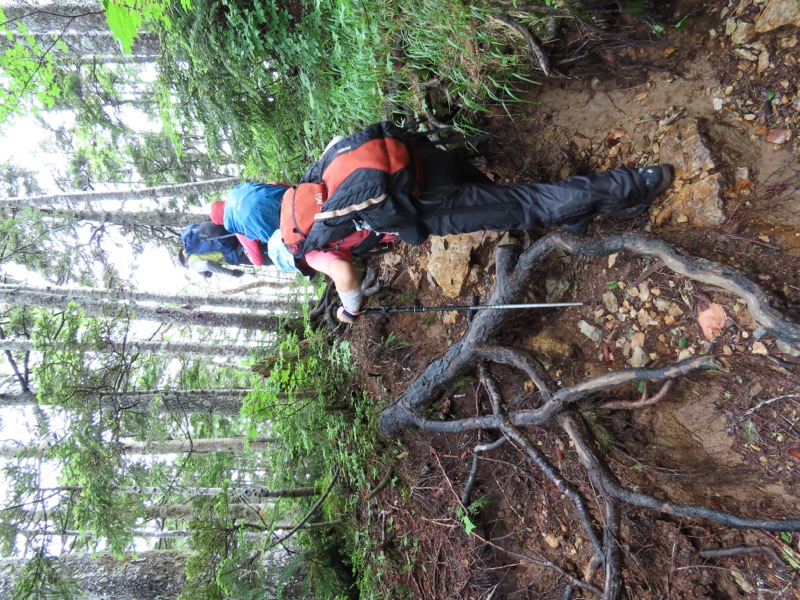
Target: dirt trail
{"points": [[716, 440]]}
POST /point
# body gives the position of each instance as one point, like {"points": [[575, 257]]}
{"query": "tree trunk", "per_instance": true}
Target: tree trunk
{"points": [[59, 297], [238, 492], [139, 448], [183, 349], [174, 190], [127, 219], [187, 511], [226, 402], [248, 491], [200, 446], [250, 536], [95, 307], [143, 576]]}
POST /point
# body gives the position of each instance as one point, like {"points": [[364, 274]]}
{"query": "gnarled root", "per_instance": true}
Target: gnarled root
{"points": [[559, 407]]}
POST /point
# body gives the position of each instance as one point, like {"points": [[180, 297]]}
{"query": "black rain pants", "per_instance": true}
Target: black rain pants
{"points": [[457, 198]]}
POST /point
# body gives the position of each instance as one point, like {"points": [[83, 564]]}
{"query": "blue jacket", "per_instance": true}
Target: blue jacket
{"points": [[254, 210]]}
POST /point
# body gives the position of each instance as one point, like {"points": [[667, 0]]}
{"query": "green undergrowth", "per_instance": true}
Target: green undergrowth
{"points": [[278, 80], [312, 403]]}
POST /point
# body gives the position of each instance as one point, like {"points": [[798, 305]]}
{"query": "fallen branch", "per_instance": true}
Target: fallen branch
{"points": [[381, 485]]}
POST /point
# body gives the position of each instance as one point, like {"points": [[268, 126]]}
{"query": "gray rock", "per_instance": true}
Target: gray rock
{"points": [[590, 331]]}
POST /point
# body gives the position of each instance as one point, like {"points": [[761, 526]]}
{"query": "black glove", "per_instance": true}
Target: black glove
{"points": [[237, 272]]}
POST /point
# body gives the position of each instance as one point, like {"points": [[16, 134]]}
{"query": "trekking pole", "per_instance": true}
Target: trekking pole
{"points": [[421, 309]]}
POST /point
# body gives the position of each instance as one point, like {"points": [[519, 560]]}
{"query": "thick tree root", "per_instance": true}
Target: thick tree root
{"points": [[559, 406]]}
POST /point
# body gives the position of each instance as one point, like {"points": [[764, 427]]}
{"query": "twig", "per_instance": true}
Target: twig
{"points": [[383, 483], [313, 509], [544, 563], [764, 403], [751, 240], [656, 266]]}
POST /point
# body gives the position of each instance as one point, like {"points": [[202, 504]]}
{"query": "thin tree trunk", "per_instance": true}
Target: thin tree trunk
{"points": [[187, 315], [200, 446], [187, 511], [126, 218], [250, 536], [220, 401], [59, 297], [248, 491], [155, 574], [174, 190], [140, 448], [183, 349], [240, 492]]}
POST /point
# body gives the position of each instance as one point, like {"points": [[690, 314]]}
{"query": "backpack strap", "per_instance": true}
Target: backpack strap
{"points": [[216, 237], [369, 244]]}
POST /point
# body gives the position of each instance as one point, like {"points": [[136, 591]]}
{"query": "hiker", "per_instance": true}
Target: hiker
{"points": [[251, 210], [207, 264], [207, 247], [384, 183]]}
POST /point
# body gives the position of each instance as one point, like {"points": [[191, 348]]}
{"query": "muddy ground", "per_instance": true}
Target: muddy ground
{"points": [[726, 440]]}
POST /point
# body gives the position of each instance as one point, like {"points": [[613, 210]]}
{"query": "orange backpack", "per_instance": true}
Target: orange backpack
{"points": [[365, 181], [299, 206]]}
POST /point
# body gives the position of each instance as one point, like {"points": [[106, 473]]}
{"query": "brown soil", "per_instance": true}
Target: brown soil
{"points": [[699, 445]]}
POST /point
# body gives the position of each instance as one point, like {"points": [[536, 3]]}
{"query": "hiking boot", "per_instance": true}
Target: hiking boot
{"points": [[579, 226], [656, 179]]}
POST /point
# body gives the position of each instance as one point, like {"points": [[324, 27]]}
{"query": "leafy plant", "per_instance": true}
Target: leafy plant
{"points": [[312, 402]]}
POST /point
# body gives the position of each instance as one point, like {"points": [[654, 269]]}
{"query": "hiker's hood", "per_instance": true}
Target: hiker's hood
{"points": [[217, 211]]}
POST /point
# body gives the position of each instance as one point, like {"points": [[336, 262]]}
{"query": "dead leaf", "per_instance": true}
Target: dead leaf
{"points": [[779, 136], [614, 135], [712, 320], [794, 452]]}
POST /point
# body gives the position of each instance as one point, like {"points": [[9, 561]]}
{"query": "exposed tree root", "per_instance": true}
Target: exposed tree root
{"points": [[726, 552], [559, 406], [538, 57]]}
